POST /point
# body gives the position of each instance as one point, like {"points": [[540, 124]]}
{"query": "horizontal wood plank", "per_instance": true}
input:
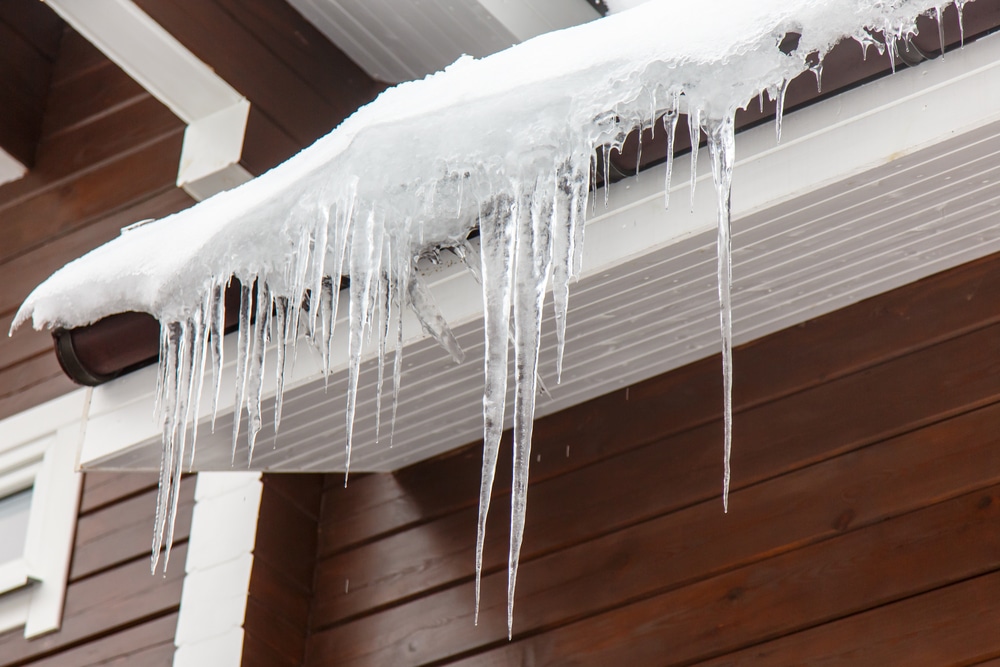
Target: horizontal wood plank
{"points": [[69, 154], [100, 489], [115, 185], [34, 381], [123, 532], [148, 644], [949, 626]]}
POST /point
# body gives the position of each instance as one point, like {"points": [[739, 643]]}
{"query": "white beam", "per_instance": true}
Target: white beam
{"points": [[214, 111]]}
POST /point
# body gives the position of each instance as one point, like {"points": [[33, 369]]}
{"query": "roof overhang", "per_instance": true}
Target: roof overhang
{"points": [[869, 190]]}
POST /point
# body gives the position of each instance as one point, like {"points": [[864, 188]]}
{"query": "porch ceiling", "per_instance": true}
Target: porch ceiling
{"points": [[869, 190]]}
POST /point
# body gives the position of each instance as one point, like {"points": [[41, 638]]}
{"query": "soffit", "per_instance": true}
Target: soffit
{"points": [[401, 41], [868, 191]]}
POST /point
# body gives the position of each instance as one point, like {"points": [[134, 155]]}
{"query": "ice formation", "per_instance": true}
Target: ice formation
{"points": [[505, 144]]}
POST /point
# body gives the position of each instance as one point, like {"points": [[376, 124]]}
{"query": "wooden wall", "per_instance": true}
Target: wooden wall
{"points": [[116, 611], [107, 157], [108, 152], [864, 522], [277, 615]]}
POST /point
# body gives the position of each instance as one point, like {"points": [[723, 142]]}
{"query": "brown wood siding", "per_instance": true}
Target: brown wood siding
{"points": [[276, 622], [30, 36], [116, 611], [107, 157], [864, 522]]}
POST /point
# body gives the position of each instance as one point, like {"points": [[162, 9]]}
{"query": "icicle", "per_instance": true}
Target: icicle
{"points": [[360, 258], [317, 323], [533, 254], [282, 331], [496, 257], [722, 148], [817, 70], [402, 269], [607, 172], [200, 356], [261, 333], [960, 6], [300, 276], [694, 129], [381, 322], [217, 324], [891, 51], [670, 125], [161, 379], [940, 28], [426, 310], [168, 396], [780, 109], [242, 360], [560, 224], [327, 320]]}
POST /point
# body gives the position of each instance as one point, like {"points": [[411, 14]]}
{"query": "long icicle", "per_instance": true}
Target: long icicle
{"points": [[496, 257], [722, 149], [533, 253]]}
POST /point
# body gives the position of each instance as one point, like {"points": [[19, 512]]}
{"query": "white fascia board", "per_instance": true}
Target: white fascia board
{"points": [[526, 19], [11, 168], [214, 111], [826, 143]]}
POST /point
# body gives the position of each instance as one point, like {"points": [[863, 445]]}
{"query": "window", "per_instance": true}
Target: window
{"points": [[14, 512], [39, 495]]}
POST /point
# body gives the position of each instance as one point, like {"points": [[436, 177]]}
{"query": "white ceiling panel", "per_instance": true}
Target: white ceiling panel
{"points": [[396, 41]]}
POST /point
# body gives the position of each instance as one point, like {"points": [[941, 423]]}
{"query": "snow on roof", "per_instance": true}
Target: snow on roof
{"points": [[506, 143]]}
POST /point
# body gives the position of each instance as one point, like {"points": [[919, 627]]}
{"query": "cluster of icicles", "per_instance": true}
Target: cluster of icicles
{"points": [[529, 210], [530, 241]]}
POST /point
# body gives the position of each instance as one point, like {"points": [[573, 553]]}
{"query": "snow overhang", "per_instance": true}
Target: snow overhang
{"points": [[867, 191]]}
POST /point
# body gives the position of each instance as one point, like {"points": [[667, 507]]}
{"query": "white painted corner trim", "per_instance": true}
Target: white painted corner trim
{"points": [[217, 571], [11, 168], [40, 448], [215, 113]]}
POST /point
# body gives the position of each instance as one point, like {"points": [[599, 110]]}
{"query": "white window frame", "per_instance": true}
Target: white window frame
{"points": [[39, 450]]}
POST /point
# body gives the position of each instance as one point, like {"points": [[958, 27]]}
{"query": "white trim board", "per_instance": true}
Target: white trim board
{"points": [[44, 440], [869, 190], [217, 571]]}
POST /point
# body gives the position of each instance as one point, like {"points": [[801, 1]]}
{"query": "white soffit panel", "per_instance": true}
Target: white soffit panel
{"points": [[400, 41], [870, 190]]}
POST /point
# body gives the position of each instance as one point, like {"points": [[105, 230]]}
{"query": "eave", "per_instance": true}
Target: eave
{"points": [[818, 225]]}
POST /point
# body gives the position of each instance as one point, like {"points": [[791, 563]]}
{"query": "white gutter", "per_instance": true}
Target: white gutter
{"points": [[215, 113]]}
